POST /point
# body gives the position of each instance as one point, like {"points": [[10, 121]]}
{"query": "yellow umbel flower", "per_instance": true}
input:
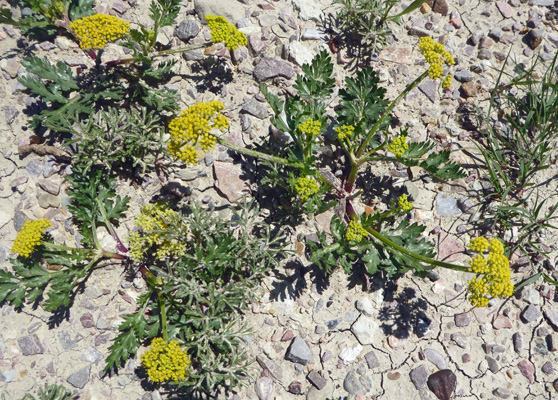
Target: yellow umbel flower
{"points": [[154, 221], [310, 127], [344, 131], [221, 31], [404, 204], [493, 273], [193, 127], [165, 361], [435, 54], [30, 236], [355, 231], [95, 31], [398, 146], [306, 187]]}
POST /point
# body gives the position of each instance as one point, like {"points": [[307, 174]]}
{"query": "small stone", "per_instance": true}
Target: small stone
{"points": [[463, 76], [87, 320], [268, 20], [547, 368], [312, 34], [19, 220], [295, 388], [462, 320], [552, 318], [484, 54], [393, 376], [517, 340], [501, 322], [47, 200], [502, 393], [399, 55], [552, 342], [530, 313], [264, 388], [496, 34], [255, 108], [429, 88], [287, 336], [317, 380], [541, 3], [466, 358], [256, 44], [531, 296], [101, 339], [30, 345], [92, 355], [299, 352], [442, 384], [418, 376], [527, 369], [269, 68], [66, 341], [534, 38], [371, 360], [271, 366], [492, 365], [350, 354], [436, 358], [439, 6], [229, 181], [80, 378], [505, 9], [365, 306], [365, 330], [446, 205], [187, 29], [460, 339], [357, 385]]}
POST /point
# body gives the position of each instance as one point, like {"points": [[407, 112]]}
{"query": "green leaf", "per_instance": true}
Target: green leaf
{"points": [[60, 75], [80, 9], [317, 82]]}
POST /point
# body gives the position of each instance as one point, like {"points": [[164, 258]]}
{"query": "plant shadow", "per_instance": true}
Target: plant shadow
{"points": [[405, 314]]}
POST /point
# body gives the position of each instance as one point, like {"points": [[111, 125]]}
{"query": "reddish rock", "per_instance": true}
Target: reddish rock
{"points": [[399, 55], [527, 369], [470, 89], [449, 248], [229, 181], [439, 6], [501, 322], [505, 9]]}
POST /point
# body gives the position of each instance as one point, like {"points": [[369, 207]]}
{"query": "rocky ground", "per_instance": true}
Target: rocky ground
{"points": [[381, 343]]}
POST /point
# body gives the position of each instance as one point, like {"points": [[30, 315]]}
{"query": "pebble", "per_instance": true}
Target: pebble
{"points": [[534, 38], [356, 384], [436, 358], [92, 355], [255, 108], [350, 354], [527, 369], [460, 339], [187, 29], [461, 320], [264, 388], [502, 393], [501, 322], [530, 313], [552, 318], [446, 205], [463, 76], [30, 345], [295, 387], [365, 306], [316, 379], [312, 34], [365, 330], [66, 341], [299, 352], [269, 68], [492, 365], [80, 378], [271, 366], [547, 368], [418, 376], [505, 9], [442, 384]]}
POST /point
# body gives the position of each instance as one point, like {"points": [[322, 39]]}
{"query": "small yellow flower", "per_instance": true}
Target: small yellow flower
{"points": [[95, 31], [165, 361], [493, 273], [435, 54], [404, 204], [344, 131], [306, 187], [221, 31], [30, 236], [356, 231], [193, 127], [310, 127], [398, 146], [154, 222]]}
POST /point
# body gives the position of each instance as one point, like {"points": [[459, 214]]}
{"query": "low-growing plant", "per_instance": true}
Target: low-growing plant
{"points": [[51, 392], [367, 21]]}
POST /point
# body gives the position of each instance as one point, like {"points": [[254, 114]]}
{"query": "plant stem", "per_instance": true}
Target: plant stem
{"points": [[387, 112], [163, 316], [257, 154], [113, 63], [403, 250]]}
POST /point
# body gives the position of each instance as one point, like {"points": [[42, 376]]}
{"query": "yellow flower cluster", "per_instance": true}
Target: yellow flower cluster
{"points": [[436, 55], [344, 131], [355, 231], [493, 273], [154, 221], [165, 361], [404, 204], [221, 31], [398, 146], [95, 31], [30, 236], [310, 127], [306, 187], [193, 127]]}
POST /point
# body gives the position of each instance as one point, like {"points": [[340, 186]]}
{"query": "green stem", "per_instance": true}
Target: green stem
{"points": [[161, 53], [403, 250], [387, 112], [257, 154], [163, 316]]}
